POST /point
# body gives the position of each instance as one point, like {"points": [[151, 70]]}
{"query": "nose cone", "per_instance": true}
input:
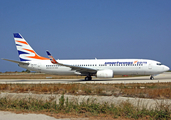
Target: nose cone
{"points": [[166, 68]]}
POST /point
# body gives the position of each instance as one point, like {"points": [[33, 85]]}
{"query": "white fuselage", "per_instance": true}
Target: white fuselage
{"points": [[118, 66]]}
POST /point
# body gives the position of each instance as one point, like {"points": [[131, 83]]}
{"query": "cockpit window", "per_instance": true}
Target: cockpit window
{"points": [[159, 64]]}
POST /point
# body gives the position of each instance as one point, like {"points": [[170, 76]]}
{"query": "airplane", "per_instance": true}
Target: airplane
{"points": [[101, 68]]}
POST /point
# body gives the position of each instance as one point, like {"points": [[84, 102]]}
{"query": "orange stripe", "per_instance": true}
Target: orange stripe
{"points": [[22, 42], [135, 61], [36, 56], [30, 50]]}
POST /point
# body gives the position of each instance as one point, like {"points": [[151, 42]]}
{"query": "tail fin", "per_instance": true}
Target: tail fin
{"points": [[25, 51]]}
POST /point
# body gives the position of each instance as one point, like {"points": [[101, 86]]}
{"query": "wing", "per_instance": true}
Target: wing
{"points": [[83, 70], [18, 62]]}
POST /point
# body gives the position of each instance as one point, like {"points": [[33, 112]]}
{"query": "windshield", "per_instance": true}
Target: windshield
{"points": [[159, 64]]}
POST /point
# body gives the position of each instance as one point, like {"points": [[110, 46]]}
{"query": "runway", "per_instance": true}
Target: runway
{"points": [[164, 77]]}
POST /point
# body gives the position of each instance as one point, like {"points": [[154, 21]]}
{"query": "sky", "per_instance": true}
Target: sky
{"points": [[87, 29]]}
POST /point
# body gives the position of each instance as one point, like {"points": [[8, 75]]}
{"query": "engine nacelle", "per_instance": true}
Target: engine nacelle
{"points": [[105, 74]]}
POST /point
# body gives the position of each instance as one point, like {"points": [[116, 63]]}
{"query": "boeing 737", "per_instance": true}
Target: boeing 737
{"points": [[101, 68]]}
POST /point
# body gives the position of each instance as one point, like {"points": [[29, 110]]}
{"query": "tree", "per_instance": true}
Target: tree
{"points": [[28, 71]]}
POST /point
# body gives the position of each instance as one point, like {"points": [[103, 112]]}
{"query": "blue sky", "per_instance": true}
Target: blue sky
{"points": [[85, 29]]}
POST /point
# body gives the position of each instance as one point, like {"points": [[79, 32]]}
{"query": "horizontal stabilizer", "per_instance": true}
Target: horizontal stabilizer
{"points": [[18, 62]]}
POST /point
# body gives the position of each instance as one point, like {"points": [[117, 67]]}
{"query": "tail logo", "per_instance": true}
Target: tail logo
{"points": [[26, 53]]}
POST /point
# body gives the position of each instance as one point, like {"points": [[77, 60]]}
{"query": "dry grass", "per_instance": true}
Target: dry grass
{"points": [[141, 90]]}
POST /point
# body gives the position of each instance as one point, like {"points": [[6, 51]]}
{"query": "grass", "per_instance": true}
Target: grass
{"points": [[87, 108], [141, 90]]}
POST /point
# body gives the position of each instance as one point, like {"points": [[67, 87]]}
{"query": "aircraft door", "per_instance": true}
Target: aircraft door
{"points": [[149, 66]]}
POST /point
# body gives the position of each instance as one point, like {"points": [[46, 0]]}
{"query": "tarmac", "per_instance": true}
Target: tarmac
{"points": [[5, 115]]}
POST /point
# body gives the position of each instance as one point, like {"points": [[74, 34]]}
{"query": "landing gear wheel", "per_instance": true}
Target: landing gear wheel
{"points": [[151, 78], [88, 78]]}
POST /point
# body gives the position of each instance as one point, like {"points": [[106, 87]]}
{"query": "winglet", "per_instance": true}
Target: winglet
{"points": [[51, 58]]}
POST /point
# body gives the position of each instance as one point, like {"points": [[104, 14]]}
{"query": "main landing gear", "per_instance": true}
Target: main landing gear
{"points": [[151, 78], [88, 78]]}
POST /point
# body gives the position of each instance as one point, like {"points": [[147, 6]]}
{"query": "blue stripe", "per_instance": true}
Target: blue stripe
{"points": [[17, 35], [21, 52], [48, 53], [24, 59], [18, 45]]}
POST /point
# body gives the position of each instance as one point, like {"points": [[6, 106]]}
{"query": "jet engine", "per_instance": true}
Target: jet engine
{"points": [[105, 74]]}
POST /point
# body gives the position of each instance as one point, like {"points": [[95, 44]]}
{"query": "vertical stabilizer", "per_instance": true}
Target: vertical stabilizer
{"points": [[25, 51]]}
